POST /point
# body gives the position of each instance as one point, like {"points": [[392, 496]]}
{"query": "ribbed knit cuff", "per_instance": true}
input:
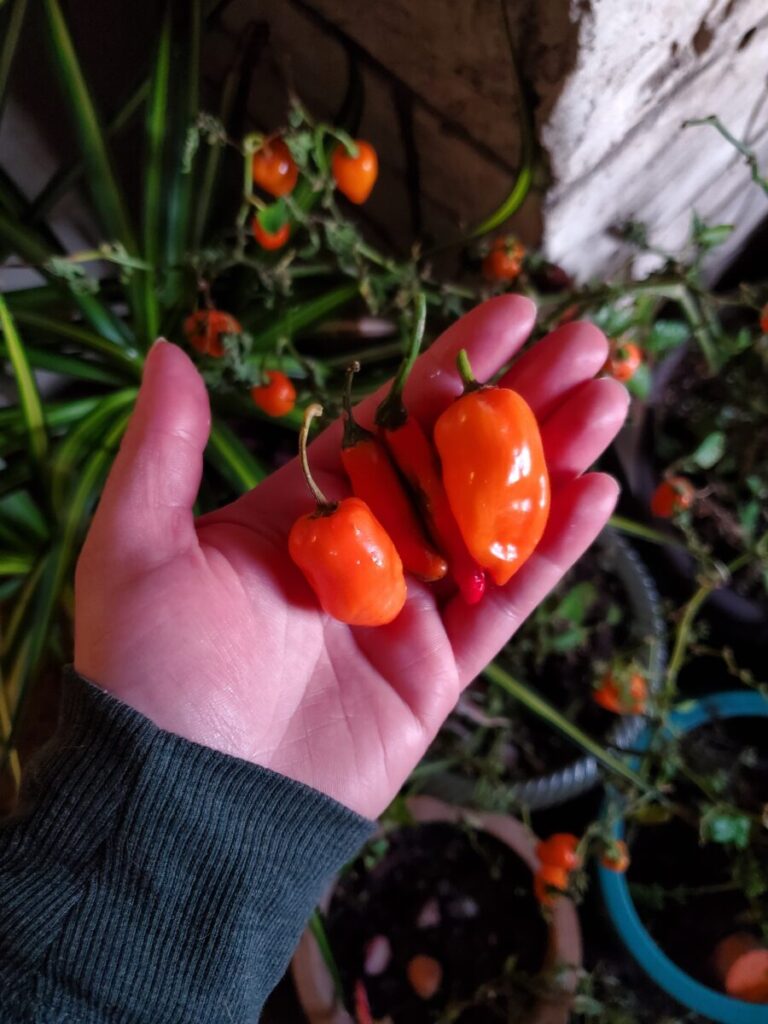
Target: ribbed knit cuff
{"points": [[150, 879]]}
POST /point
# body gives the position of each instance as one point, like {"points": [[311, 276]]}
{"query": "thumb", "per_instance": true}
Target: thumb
{"points": [[145, 512]]}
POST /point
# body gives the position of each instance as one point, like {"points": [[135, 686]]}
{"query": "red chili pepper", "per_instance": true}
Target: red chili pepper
{"points": [[415, 457], [274, 169], [345, 553], [356, 175], [559, 850], [549, 883], [270, 240], [494, 473], [277, 397], [205, 329], [375, 480], [675, 494], [764, 319], [505, 260]]}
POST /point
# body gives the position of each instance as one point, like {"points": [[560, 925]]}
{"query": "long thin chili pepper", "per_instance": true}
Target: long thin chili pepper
{"points": [[415, 457], [375, 480]]}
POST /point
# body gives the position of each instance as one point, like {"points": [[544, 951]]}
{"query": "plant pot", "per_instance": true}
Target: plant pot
{"points": [[313, 980], [741, 619], [623, 913], [582, 773]]}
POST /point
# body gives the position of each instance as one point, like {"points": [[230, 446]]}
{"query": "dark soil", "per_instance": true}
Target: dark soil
{"points": [[486, 914], [690, 407], [669, 862], [526, 747]]}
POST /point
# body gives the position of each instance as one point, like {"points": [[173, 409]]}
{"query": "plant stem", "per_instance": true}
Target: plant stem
{"points": [[465, 372], [353, 432], [323, 505], [531, 700], [392, 413], [644, 532]]}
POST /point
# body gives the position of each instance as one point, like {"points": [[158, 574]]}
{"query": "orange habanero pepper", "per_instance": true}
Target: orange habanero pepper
{"points": [[375, 480], [415, 457], [205, 329], [346, 555], [494, 473]]}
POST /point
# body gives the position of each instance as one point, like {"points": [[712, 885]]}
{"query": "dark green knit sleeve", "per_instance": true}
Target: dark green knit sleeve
{"points": [[149, 880]]}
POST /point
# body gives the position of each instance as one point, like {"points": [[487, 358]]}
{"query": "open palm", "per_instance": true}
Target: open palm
{"points": [[209, 629]]}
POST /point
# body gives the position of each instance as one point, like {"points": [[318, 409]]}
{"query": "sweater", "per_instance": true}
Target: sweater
{"points": [[146, 879]]}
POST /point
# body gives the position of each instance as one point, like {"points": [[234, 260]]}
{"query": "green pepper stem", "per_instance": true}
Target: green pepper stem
{"points": [[392, 413], [465, 372], [353, 432], [312, 412]]}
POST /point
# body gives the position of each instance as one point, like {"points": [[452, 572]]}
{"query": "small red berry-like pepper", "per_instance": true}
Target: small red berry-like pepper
{"points": [[764, 319], [375, 480], [356, 175], [274, 169], [559, 850], [675, 494], [494, 473], [623, 360], [345, 553], [270, 240], [616, 856], [505, 260], [549, 883], [626, 695], [204, 330], [277, 397], [415, 457]]}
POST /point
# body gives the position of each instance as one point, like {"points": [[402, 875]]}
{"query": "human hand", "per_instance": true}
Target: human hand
{"points": [[210, 630]]}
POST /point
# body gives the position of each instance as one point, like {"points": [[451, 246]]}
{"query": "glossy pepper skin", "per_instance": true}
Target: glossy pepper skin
{"points": [[495, 475], [346, 555], [270, 241], [274, 169], [277, 397], [356, 175], [375, 480], [415, 457]]}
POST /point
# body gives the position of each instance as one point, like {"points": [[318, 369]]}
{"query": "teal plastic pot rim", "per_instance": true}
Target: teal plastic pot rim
{"points": [[621, 908]]}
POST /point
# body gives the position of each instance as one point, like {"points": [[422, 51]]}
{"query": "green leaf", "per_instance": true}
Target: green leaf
{"points": [[570, 640], [577, 603], [666, 335], [13, 20], [232, 459], [639, 384], [29, 398], [102, 178], [126, 359], [274, 216], [23, 241], [80, 442], [720, 825], [710, 451], [302, 316], [15, 564], [710, 236], [156, 129]]}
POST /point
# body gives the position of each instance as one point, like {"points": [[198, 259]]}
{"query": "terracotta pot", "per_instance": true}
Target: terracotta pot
{"points": [[313, 980]]}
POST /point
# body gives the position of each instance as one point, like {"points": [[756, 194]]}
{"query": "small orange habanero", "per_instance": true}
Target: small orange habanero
{"points": [[495, 474]]}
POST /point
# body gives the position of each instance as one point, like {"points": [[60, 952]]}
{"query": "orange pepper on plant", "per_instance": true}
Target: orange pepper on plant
{"points": [[622, 694], [355, 175], [559, 850], [204, 330], [415, 457], [277, 397], [375, 480], [764, 319], [549, 883], [494, 473], [346, 555], [616, 857], [270, 240], [624, 360], [274, 169], [675, 494], [504, 262]]}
